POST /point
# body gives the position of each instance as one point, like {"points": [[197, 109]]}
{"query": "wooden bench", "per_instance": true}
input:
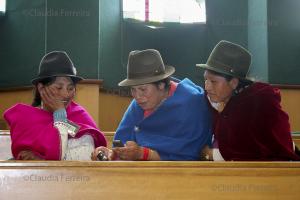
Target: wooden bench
{"points": [[5, 143], [149, 180]]}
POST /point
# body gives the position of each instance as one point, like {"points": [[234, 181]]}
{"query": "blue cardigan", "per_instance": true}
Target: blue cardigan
{"points": [[177, 130]]}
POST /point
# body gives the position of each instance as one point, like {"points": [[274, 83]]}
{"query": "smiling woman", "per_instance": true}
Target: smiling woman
{"points": [[58, 128]]}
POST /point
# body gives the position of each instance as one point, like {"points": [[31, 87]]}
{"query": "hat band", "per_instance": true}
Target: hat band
{"points": [[137, 75], [222, 66]]}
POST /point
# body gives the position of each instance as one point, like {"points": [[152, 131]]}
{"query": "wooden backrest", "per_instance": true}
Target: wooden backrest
{"points": [[296, 138], [109, 135], [149, 180], [5, 142]]}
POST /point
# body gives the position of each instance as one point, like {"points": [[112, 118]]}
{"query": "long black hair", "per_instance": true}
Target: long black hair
{"points": [[37, 100]]}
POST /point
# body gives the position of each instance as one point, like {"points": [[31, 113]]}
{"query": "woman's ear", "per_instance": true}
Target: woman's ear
{"points": [[234, 82], [39, 86], [161, 86]]}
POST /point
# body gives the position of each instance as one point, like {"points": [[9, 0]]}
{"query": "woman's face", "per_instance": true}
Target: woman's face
{"points": [[61, 91], [65, 89], [218, 89], [149, 96]]}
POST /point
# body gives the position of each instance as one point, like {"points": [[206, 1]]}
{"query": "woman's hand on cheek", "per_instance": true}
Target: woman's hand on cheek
{"points": [[50, 99]]}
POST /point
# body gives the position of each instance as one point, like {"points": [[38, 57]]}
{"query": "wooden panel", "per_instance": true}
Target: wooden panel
{"points": [[290, 103], [88, 97], [111, 110], [149, 180], [296, 139], [109, 137]]}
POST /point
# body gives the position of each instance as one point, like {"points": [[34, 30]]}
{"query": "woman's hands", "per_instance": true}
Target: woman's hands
{"points": [[131, 151], [50, 98], [206, 154], [28, 155], [110, 155]]}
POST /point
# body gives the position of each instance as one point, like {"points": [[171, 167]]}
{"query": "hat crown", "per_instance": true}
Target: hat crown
{"points": [[56, 63], [144, 67], [144, 64], [230, 58]]}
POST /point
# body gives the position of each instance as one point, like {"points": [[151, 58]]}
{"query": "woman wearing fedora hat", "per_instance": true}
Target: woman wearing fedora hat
{"points": [[53, 127], [248, 122], [166, 120]]}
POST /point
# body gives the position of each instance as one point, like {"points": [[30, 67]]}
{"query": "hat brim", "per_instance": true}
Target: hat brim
{"points": [[132, 82], [74, 78], [205, 66]]}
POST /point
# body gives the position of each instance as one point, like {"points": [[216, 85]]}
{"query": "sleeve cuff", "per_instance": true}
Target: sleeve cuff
{"points": [[60, 115]]}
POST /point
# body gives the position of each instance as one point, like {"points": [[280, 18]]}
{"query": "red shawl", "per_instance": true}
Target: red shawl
{"points": [[253, 126], [32, 129]]}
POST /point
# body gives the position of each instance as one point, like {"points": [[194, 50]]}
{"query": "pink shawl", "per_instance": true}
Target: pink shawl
{"points": [[32, 129]]}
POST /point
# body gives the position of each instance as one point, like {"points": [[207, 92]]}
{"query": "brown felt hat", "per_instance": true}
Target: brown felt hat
{"points": [[145, 67], [230, 59], [56, 63]]}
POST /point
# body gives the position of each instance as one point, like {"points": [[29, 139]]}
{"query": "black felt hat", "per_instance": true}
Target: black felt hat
{"points": [[56, 63]]}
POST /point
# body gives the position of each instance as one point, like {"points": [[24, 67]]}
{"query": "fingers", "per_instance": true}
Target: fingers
{"points": [[47, 94], [131, 151], [28, 155], [206, 153], [50, 98], [105, 152], [131, 144]]}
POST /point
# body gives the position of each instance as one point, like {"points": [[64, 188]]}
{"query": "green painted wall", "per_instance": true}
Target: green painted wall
{"points": [[258, 39], [21, 42], [110, 59], [88, 30], [75, 29], [98, 40], [284, 41], [180, 45]]}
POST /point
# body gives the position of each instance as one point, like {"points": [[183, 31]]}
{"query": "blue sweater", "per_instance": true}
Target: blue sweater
{"points": [[177, 130]]}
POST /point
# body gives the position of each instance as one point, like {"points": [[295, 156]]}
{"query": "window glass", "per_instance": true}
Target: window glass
{"points": [[183, 11], [2, 6]]}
